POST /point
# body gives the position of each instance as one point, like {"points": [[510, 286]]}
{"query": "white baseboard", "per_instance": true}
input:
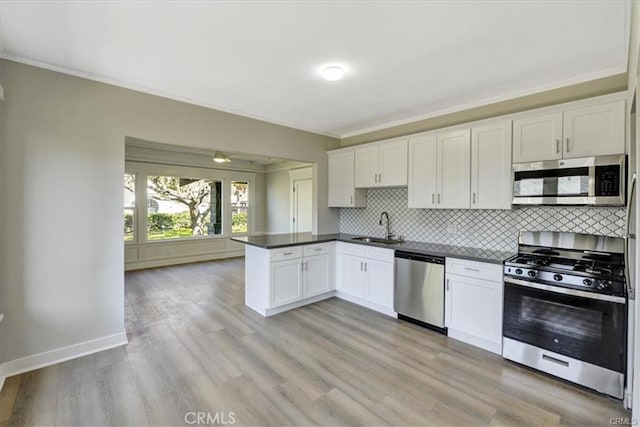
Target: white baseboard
{"points": [[494, 347], [2, 376], [37, 361], [271, 311], [372, 306], [176, 260]]}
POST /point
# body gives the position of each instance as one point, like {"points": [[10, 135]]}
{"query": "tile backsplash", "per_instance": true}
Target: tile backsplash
{"points": [[489, 229]]}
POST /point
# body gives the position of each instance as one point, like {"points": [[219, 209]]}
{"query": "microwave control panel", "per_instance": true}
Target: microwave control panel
{"points": [[608, 180]]}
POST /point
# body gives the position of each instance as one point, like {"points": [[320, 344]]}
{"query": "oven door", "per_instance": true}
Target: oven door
{"points": [[583, 328]]}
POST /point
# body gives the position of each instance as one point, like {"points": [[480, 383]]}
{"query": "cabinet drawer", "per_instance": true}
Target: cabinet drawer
{"points": [[350, 249], [380, 254], [286, 253], [317, 249], [478, 270]]}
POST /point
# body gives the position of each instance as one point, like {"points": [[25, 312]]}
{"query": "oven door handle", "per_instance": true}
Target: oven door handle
{"points": [[565, 291]]}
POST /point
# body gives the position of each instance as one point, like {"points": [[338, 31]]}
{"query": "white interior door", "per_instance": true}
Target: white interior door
{"points": [[302, 206]]}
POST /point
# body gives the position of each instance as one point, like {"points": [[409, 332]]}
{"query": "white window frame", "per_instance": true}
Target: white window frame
{"points": [[142, 170]]}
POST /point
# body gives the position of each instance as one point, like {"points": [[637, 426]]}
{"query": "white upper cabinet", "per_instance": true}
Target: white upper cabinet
{"points": [[537, 138], [454, 158], [439, 170], [367, 166], [381, 165], [491, 166], [423, 175], [342, 191], [393, 164], [596, 130], [592, 130]]}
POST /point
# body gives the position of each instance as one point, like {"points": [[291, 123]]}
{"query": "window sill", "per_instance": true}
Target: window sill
{"points": [[179, 240]]}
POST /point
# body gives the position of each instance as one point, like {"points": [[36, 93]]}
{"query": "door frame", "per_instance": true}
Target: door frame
{"points": [[298, 175]]}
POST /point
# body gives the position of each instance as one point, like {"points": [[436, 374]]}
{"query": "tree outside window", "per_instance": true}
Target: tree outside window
{"points": [[129, 206], [180, 207], [239, 207]]}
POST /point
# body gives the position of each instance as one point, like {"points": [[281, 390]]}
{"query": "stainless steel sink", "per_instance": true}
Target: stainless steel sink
{"points": [[377, 240]]}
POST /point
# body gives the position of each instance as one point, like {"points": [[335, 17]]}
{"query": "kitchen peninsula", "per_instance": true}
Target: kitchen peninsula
{"points": [[287, 271]]}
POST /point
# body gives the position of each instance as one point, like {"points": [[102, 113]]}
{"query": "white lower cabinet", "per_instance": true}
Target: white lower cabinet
{"points": [[473, 303], [364, 275], [379, 286], [316, 277], [353, 279], [286, 282], [277, 280]]}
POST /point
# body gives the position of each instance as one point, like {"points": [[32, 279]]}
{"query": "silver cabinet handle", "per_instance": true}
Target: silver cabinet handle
{"points": [[351, 200], [361, 266], [306, 266], [433, 199], [317, 249], [567, 144], [365, 267], [287, 253], [380, 177], [438, 198], [474, 198], [375, 177], [557, 145], [472, 269], [447, 285], [302, 266]]}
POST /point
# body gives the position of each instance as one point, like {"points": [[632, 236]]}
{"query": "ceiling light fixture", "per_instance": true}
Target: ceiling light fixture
{"points": [[220, 158], [332, 73]]}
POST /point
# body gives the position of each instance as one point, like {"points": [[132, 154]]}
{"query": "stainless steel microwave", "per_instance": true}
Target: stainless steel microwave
{"points": [[585, 181]]}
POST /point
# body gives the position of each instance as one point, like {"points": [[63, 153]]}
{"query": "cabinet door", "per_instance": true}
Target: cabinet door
{"points": [[454, 170], [596, 130], [342, 192], [316, 276], [474, 307], [393, 164], [353, 278], [379, 283], [537, 138], [367, 166], [286, 282], [491, 166], [423, 160]]}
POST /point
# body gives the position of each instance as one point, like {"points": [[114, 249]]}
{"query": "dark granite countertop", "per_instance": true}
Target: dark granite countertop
{"points": [[294, 239]]}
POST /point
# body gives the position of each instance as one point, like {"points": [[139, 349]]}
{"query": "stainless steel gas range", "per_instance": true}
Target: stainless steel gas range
{"points": [[565, 308]]}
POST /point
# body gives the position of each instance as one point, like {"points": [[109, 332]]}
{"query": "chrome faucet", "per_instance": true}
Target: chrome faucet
{"points": [[389, 236]]}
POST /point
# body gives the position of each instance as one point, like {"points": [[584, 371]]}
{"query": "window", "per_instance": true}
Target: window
{"points": [[239, 207], [179, 207], [129, 206]]}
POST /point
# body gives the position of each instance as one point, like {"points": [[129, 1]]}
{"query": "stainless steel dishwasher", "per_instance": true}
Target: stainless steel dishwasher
{"points": [[418, 290]]}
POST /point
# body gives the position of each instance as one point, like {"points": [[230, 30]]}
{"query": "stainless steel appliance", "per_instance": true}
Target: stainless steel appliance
{"points": [[419, 289], [565, 310], [630, 274], [584, 181]]}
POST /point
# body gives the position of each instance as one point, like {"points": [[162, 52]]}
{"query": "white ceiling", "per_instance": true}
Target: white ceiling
{"points": [[404, 60]]}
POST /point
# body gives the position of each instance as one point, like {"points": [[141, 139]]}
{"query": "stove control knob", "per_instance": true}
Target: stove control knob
{"points": [[557, 277], [531, 273], [602, 285], [587, 282], [518, 271]]}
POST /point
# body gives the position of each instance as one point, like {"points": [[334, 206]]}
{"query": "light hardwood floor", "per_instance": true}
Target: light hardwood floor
{"points": [[195, 347]]}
